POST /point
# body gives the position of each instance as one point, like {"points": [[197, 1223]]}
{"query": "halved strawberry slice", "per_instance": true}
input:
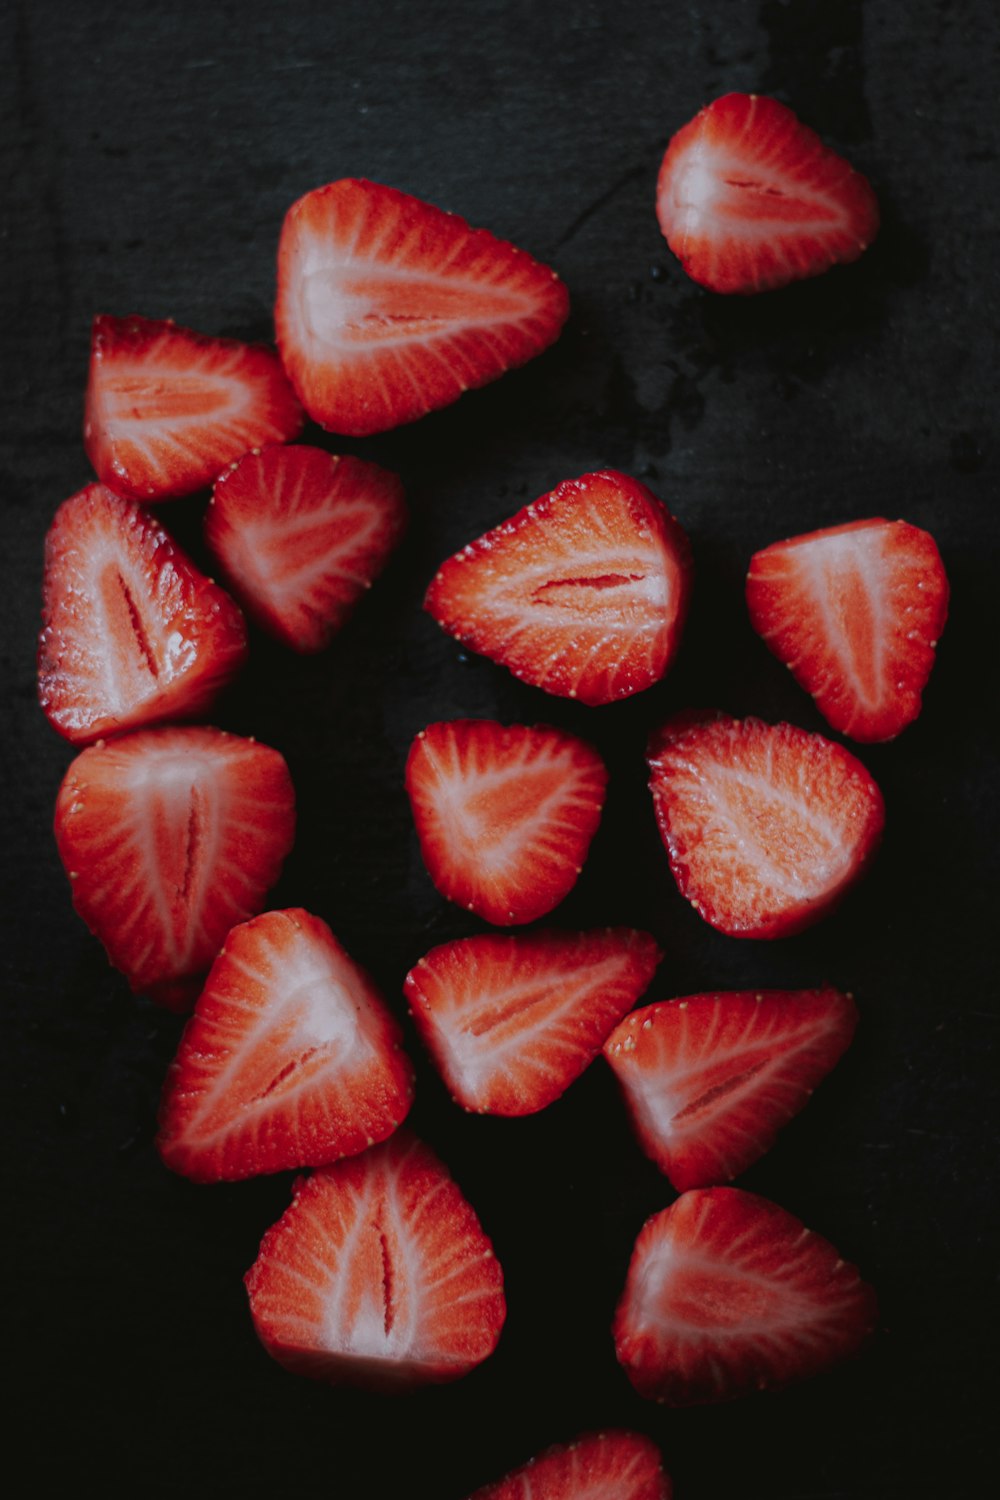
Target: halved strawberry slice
{"points": [[170, 837], [728, 1294], [291, 1059], [583, 593], [765, 825], [389, 308], [512, 1021], [710, 1080], [596, 1466], [301, 535], [168, 408], [504, 814], [378, 1275], [856, 613], [749, 198], [132, 633]]}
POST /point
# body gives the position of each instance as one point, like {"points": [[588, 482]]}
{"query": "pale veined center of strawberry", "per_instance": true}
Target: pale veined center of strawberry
{"points": [[133, 663], [142, 399], [684, 1294], [678, 1105], [372, 1302], [770, 834], [849, 584], [744, 197], [345, 305]]}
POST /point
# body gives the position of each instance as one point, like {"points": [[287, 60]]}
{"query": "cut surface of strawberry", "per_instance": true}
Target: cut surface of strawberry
{"points": [[291, 1059], [132, 632], [504, 813], [301, 535], [582, 593], [595, 1466], [765, 825], [727, 1294], [749, 198], [389, 308], [378, 1274], [168, 408], [856, 613], [709, 1080], [170, 837], [512, 1021]]}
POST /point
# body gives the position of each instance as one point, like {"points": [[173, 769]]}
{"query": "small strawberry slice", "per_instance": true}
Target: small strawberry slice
{"points": [[168, 408], [132, 633], [300, 535], [291, 1059], [727, 1294], [378, 1274], [710, 1080], [389, 308], [170, 837], [512, 1021], [596, 1466], [749, 198], [583, 593], [856, 613], [504, 814], [765, 825]]}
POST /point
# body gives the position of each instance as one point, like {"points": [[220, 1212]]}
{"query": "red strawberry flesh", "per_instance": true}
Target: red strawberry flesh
{"points": [[378, 1274], [596, 1466]]}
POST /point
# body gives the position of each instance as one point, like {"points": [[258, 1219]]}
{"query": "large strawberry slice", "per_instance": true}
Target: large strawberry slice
{"points": [[727, 1294], [512, 1021], [710, 1080], [378, 1274], [291, 1058], [168, 408], [170, 837], [301, 534], [132, 632], [766, 826], [583, 593], [856, 613], [504, 814], [749, 198], [596, 1466], [389, 308]]}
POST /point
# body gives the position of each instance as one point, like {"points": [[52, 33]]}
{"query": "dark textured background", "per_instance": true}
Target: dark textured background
{"points": [[154, 151]]}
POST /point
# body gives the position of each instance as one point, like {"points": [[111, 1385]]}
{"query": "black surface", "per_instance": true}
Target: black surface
{"points": [[155, 151]]}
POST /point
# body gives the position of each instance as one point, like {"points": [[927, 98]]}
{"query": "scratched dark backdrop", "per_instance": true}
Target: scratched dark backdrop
{"points": [[151, 154]]}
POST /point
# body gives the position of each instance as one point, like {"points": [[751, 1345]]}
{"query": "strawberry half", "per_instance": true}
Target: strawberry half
{"points": [[291, 1059], [170, 838], [300, 535], [749, 198], [709, 1080], [512, 1021], [856, 613], [727, 1294], [378, 1275], [168, 408], [132, 632], [583, 593], [765, 825], [389, 308], [597, 1466], [504, 814]]}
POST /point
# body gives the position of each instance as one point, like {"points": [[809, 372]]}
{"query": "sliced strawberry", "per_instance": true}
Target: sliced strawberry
{"points": [[378, 1275], [300, 536], [389, 308], [168, 408], [766, 826], [856, 613], [171, 837], [132, 632], [583, 593], [504, 814], [512, 1021], [597, 1466], [291, 1058], [748, 198], [727, 1294], [710, 1080]]}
